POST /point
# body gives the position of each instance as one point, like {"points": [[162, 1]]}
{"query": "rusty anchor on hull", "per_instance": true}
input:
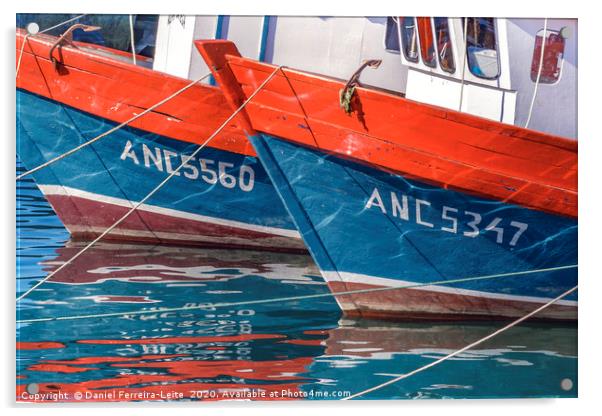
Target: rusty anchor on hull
{"points": [[67, 38], [348, 91]]}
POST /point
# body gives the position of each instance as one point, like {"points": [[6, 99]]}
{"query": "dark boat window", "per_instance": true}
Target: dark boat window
{"points": [[481, 47], [391, 36], [409, 38], [444, 44], [427, 44], [114, 32], [552, 59]]}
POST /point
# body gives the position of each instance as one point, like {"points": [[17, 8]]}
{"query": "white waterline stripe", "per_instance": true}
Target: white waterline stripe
{"points": [[68, 191]]}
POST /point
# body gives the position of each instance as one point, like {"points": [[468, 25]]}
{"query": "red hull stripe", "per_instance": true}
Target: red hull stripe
{"points": [[79, 210], [424, 142], [117, 90], [428, 304]]}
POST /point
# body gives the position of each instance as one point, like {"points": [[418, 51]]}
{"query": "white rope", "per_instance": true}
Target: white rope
{"points": [[28, 35], [296, 298], [461, 350], [132, 38], [151, 193], [541, 56], [464, 60], [114, 129]]}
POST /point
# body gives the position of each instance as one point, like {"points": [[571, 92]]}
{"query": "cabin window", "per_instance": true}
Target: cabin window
{"points": [[409, 38], [427, 44], [444, 44], [481, 47], [552, 59], [391, 36]]}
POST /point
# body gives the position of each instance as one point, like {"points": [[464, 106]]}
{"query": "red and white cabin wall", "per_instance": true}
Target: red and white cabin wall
{"points": [[336, 46]]}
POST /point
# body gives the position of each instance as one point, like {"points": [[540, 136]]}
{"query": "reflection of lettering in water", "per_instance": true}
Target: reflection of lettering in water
{"points": [[215, 322], [210, 171], [161, 273]]}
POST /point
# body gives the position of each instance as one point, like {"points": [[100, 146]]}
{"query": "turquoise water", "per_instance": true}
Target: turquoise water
{"points": [[303, 349]]}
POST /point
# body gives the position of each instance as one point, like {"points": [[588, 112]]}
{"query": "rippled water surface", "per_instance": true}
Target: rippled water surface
{"points": [[290, 349]]}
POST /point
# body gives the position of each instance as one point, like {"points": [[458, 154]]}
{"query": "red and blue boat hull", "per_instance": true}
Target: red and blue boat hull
{"points": [[454, 215], [220, 197], [368, 228]]}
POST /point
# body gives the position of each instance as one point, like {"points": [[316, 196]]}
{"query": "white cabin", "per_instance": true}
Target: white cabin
{"points": [[333, 46], [500, 75]]}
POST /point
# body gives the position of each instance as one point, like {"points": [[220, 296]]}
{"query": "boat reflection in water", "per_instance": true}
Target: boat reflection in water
{"points": [[283, 350], [207, 353], [526, 361]]}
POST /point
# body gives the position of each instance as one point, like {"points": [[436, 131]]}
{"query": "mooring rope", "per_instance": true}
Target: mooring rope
{"points": [[295, 298], [539, 70], [132, 40], [159, 186], [29, 35], [461, 350], [464, 60], [114, 129]]}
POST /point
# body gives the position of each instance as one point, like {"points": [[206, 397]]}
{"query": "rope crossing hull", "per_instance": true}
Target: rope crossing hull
{"points": [[366, 228], [220, 197], [401, 193]]}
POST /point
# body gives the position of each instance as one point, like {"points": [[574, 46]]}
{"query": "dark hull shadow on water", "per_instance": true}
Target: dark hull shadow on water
{"points": [[293, 349]]}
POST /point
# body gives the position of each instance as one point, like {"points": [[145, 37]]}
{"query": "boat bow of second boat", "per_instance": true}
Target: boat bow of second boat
{"points": [[477, 216]]}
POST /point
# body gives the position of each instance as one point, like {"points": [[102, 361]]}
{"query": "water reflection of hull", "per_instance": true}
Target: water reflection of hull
{"points": [[526, 361], [370, 338], [280, 350], [222, 375], [210, 353], [164, 264]]}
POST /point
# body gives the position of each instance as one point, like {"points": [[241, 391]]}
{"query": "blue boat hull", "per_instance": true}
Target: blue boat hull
{"points": [[220, 197], [367, 228]]}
